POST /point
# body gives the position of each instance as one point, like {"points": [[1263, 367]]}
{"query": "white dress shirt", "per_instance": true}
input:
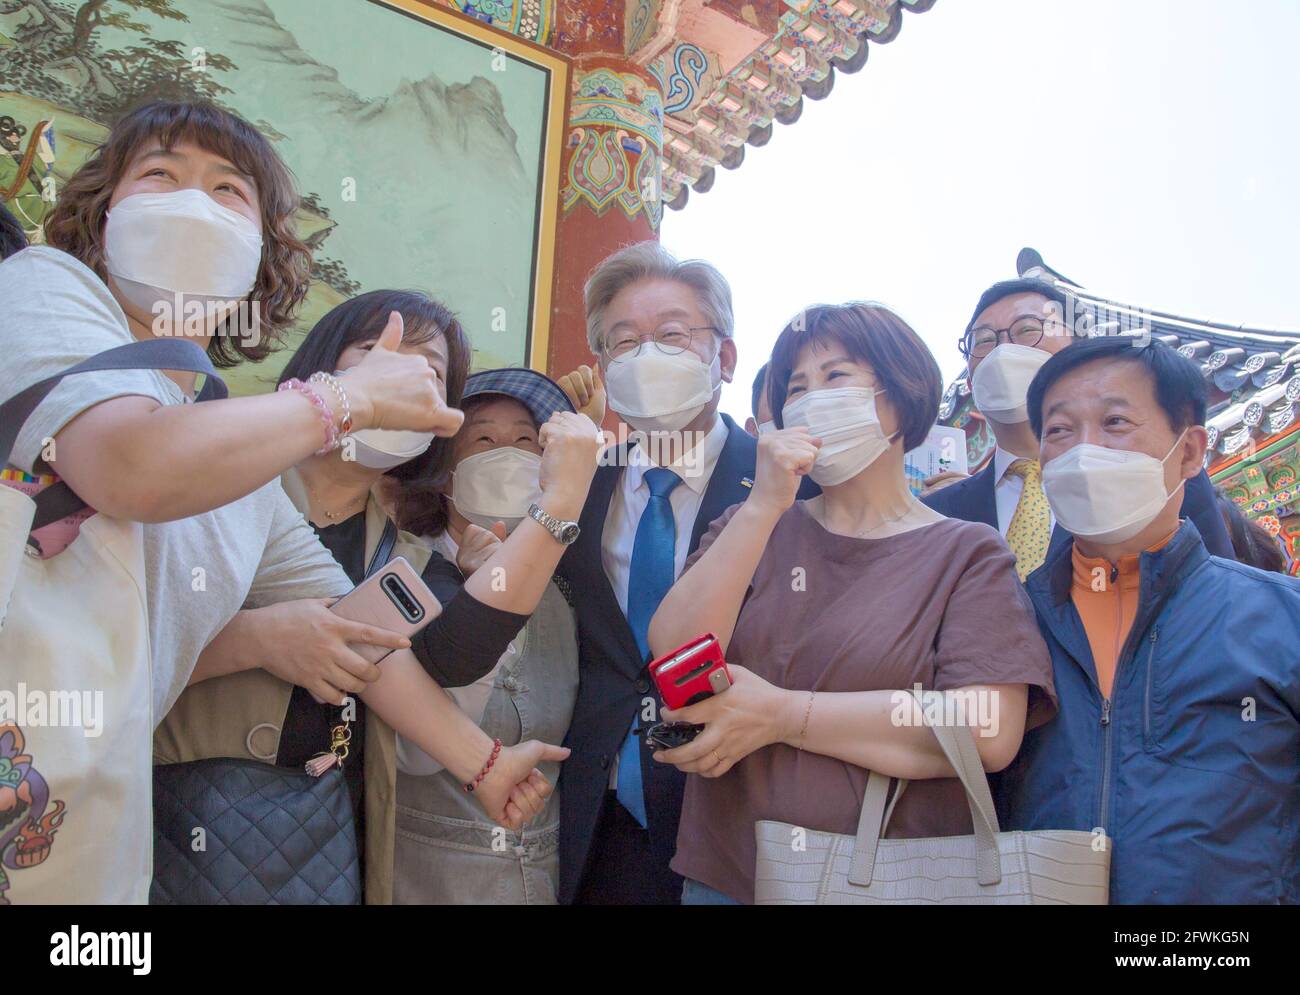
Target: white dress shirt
{"points": [[629, 500], [1007, 488]]}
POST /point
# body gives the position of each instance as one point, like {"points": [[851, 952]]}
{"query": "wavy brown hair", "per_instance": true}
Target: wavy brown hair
{"points": [[76, 224]]}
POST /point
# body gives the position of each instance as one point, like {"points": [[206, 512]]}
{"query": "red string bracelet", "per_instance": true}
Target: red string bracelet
{"points": [[487, 767]]}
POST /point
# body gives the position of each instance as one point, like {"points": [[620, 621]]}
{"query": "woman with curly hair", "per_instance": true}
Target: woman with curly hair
{"points": [[181, 225]]}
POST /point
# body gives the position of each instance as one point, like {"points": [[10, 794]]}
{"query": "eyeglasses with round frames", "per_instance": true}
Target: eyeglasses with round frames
{"points": [[672, 337], [982, 340]]}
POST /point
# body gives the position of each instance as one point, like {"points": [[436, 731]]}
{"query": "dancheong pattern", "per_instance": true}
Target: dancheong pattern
{"points": [[616, 129]]}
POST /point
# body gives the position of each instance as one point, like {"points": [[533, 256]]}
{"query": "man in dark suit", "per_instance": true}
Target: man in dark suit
{"points": [[1016, 327], [662, 330]]}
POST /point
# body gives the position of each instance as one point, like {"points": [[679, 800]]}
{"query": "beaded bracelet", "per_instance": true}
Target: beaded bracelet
{"points": [[327, 416], [336, 385], [487, 767]]}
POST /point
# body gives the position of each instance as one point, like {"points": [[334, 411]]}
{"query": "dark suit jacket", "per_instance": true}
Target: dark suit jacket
{"points": [[612, 681], [972, 500]]}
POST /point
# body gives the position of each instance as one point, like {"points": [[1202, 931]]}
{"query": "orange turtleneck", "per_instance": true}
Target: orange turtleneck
{"points": [[1106, 598]]}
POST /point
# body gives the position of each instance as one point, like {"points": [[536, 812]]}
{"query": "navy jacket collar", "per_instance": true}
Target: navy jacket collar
{"points": [[1162, 573], [985, 493]]}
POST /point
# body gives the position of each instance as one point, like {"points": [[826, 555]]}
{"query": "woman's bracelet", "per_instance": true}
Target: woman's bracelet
{"points": [[345, 407], [807, 714], [327, 416], [487, 767]]}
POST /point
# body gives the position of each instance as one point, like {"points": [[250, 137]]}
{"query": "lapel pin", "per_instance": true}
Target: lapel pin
{"points": [[746, 481]]}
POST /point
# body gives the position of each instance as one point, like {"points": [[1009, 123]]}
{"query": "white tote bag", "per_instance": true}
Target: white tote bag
{"points": [[76, 722], [989, 867]]}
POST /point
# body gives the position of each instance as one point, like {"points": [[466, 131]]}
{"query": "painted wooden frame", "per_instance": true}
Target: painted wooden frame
{"points": [[552, 148], [349, 65]]}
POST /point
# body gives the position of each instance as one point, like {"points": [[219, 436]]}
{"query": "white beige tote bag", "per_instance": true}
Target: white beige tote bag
{"points": [[76, 722], [1043, 867]]}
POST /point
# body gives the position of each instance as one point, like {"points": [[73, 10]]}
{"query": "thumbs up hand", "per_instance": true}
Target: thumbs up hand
{"points": [[586, 391], [398, 390]]}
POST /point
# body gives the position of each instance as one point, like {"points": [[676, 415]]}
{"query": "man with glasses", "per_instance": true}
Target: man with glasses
{"points": [[662, 331], [1016, 328]]}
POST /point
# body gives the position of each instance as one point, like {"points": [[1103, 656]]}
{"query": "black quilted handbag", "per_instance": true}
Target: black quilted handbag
{"points": [[271, 835]]}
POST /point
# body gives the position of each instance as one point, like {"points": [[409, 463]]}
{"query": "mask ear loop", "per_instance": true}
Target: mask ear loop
{"points": [[1177, 442], [896, 433], [1183, 480]]}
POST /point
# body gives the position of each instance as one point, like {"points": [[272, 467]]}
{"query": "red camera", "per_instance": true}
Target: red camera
{"points": [[691, 673]]}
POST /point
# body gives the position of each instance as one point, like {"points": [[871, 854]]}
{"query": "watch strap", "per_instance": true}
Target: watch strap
{"points": [[557, 527]]}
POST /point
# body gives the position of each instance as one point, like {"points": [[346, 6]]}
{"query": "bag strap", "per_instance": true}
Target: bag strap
{"points": [[958, 745], [384, 548], [341, 731], [58, 501]]}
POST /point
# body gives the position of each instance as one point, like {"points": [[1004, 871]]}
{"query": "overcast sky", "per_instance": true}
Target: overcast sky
{"points": [[1147, 148]]}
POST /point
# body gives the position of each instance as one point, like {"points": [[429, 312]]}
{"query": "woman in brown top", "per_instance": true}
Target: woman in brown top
{"points": [[828, 608]]}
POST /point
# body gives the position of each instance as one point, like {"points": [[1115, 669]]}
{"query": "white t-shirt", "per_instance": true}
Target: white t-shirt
{"points": [[199, 571]]}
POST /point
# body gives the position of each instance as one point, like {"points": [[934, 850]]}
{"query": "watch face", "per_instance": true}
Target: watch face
{"points": [[569, 533]]}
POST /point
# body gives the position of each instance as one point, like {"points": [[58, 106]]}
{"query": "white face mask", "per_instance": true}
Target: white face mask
{"points": [[845, 419], [656, 392], [497, 486], [159, 245], [1106, 495], [1001, 381], [383, 448], [765, 427]]}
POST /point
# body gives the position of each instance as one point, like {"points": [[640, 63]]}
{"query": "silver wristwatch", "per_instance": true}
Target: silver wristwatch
{"points": [[565, 532]]}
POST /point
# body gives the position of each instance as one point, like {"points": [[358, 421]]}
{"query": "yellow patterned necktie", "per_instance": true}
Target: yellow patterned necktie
{"points": [[1030, 531]]}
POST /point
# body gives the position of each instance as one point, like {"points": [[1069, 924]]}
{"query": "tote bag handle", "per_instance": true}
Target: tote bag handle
{"points": [[958, 745]]}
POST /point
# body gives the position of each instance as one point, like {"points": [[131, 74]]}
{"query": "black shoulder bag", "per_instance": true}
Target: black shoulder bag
{"points": [[270, 835]]}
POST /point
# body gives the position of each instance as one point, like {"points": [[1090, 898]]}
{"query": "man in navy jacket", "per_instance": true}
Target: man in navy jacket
{"points": [[1017, 326], [1175, 670]]}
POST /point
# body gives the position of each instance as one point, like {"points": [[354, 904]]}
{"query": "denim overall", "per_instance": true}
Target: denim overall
{"points": [[446, 849]]}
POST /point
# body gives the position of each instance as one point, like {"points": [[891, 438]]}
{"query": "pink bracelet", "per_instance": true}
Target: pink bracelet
{"points": [[327, 417]]}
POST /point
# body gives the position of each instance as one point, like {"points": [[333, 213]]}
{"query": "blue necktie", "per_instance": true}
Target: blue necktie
{"points": [[652, 572]]}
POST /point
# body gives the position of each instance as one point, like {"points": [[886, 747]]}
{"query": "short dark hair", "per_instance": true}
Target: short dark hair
{"points": [[1178, 382], [363, 318], [757, 394], [12, 237], [873, 334], [1007, 288]]}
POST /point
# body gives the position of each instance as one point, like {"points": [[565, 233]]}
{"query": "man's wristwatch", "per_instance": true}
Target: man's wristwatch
{"points": [[565, 532]]}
